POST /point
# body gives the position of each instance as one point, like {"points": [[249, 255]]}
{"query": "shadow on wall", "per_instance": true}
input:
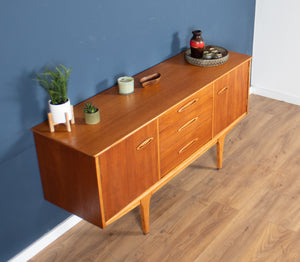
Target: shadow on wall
{"points": [[27, 112], [21, 195], [23, 205], [175, 45]]}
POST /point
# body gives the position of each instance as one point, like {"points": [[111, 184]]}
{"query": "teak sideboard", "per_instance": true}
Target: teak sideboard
{"points": [[100, 172]]}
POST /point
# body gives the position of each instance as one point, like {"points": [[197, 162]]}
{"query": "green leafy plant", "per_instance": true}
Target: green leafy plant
{"points": [[90, 108], [55, 82]]}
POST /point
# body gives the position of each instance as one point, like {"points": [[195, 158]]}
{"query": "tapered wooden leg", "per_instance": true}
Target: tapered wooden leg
{"points": [[68, 122], [220, 147], [73, 117], [145, 206], [50, 121]]}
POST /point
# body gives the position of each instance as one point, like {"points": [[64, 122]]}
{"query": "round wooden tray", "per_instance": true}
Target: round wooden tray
{"points": [[208, 62]]}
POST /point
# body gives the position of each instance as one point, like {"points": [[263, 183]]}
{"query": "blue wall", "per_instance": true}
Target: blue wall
{"points": [[101, 40]]}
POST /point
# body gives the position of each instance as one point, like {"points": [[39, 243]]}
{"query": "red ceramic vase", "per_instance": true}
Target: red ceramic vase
{"points": [[197, 44]]}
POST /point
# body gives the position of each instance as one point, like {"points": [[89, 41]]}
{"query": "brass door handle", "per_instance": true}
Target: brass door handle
{"points": [[187, 105], [187, 124], [187, 145], [144, 143], [222, 90]]}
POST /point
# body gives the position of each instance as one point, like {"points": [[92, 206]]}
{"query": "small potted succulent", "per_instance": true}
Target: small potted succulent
{"points": [[55, 83], [91, 114]]}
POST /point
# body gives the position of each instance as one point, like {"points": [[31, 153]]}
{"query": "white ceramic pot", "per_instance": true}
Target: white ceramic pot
{"points": [[58, 112], [126, 85]]}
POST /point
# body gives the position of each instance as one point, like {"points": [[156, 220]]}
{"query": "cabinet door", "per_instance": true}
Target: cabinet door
{"points": [[231, 97], [128, 169]]}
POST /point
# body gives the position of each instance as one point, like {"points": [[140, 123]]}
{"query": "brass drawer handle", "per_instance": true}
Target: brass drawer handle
{"points": [[186, 106], [187, 124], [187, 145], [145, 143], [222, 90]]}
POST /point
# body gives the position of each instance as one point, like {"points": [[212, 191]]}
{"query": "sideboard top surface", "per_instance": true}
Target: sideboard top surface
{"points": [[123, 114]]}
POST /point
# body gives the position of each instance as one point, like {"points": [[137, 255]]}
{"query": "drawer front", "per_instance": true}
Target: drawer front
{"points": [[186, 110], [184, 132], [183, 147]]}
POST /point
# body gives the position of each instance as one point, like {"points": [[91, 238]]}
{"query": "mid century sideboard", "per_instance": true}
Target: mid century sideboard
{"points": [[100, 172]]}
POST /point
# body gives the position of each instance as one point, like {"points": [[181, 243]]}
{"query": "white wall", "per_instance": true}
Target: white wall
{"points": [[276, 50]]}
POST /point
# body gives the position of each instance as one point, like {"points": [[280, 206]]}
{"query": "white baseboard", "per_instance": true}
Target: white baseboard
{"points": [[46, 239], [251, 90], [275, 95]]}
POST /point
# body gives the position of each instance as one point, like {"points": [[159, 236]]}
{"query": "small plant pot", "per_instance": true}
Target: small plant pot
{"points": [[58, 112], [92, 118], [126, 85]]}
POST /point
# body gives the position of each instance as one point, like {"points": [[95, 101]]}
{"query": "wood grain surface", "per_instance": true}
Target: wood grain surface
{"points": [[69, 179], [231, 96], [185, 128], [123, 114], [246, 212], [129, 168]]}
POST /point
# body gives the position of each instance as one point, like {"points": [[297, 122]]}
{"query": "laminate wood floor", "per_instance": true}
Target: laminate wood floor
{"points": [[247, 211]]}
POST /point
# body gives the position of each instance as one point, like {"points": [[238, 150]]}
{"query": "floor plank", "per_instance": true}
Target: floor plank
{"points": [[274, 244], [249, 211]]}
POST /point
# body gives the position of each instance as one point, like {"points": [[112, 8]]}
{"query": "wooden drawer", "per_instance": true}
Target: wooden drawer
{"points": [[182, 132], [186, 110], [199, 123], [184, 146]]}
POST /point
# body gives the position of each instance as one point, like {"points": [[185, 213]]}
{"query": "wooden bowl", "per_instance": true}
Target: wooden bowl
{"points": [[150, 80]]}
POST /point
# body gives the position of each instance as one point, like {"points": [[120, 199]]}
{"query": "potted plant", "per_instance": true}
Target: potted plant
{"points": [[91, 114], [55, 82]]}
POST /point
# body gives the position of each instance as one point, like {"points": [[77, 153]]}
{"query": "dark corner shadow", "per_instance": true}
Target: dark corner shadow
{"points": [[188, 36], [175, 46], [30, 114], [102, 86], [119, 75]]}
